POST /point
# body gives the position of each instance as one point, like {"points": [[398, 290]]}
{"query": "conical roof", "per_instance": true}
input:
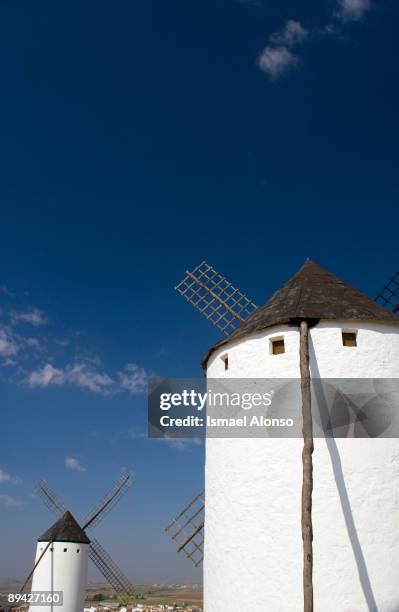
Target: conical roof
{"points": [[66, 529], [312, 294]]}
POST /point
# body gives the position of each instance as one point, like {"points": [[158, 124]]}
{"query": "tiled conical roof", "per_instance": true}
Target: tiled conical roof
{"points": [[312, 294], [66, 529]]}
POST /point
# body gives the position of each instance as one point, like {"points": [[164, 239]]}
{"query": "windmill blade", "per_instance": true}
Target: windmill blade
{"points": [[31, 574], [109, 500], [187, 530], [50, 499], [216, 299], [389, 295], [111, 572]]}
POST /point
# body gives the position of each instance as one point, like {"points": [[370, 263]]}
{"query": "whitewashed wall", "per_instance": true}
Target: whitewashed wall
{"points": [[62, 571], [253, 545]]}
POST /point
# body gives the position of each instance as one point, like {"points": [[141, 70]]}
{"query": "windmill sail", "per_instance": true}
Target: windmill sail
{"points": [[221, 303], [29, 577], [187, 529], [49, 498], [111, 572], [109, 500], [215, 297], [389, 295]]}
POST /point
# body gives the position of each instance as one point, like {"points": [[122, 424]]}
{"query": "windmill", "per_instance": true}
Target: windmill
{"points": [[311, 297], [63, 550]]}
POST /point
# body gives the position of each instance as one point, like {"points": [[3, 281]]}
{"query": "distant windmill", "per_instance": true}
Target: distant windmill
{"points": [[308, 299], [63, 551]]}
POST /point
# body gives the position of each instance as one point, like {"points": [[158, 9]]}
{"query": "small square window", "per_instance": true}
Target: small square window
{"points": [[65, 549], [77, 550], [349, 338], [278, 346]]}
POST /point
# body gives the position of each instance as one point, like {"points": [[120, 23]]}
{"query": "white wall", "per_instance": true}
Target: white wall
{"points": [[253, 546], [62, 571]]}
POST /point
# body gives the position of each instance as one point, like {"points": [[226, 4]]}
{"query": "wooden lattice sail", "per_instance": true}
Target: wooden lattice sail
{"points": [[389, 295], [215, 297], [187, 529]]}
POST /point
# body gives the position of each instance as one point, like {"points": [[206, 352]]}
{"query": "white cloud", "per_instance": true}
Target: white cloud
{"points": [[7, 478], [33, 357], [34, 317], [353, 10], [133, 378], [87, 378], [277, 57], [79, 375], [71, 463], [8, 345], [293, 33], [9, 501], [276, 60], [45, 376]]}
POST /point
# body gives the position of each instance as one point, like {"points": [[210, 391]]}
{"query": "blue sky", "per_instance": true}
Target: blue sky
{"points": [[137, 139]]}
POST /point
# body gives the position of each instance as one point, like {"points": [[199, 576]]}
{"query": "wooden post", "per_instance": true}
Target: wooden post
{"points": [[307, 466]]}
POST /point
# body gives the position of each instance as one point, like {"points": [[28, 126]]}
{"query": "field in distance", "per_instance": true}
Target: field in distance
{"points": [[190, 595]]}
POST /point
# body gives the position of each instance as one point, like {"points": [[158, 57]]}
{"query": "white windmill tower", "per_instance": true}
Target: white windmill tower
{"points": [[64, 549], [258, 547]]}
